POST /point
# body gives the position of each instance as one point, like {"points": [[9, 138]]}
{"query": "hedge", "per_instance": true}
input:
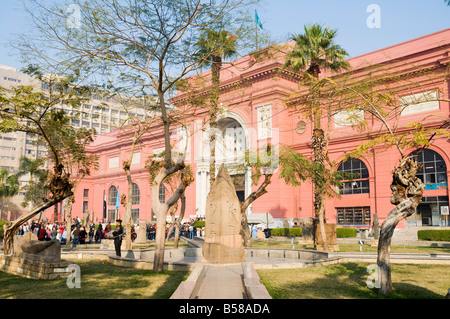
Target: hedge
{"points": [[346, 232], [199, 223], [289, 232], [434, 234], [297, 232]]}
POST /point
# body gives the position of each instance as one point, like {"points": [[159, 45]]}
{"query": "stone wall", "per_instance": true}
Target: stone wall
{"points": [[33, 269]]}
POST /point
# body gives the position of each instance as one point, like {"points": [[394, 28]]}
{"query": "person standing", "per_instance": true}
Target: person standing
{"points": [[99, 234], [91, 233], [76, 236], [118, 236]]}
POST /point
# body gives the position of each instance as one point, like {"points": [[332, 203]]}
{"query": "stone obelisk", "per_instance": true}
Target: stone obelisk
{"points": [[223, 242]]}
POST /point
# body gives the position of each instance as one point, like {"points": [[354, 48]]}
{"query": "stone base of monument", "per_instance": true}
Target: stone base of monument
{"points": [[33, 269], [330, 234], [35, 259], [108, 244], [224, 249], [331, 248]]}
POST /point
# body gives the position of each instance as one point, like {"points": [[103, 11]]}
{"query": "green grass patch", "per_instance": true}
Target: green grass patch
{"points": [[349, 281], [99, 280]]}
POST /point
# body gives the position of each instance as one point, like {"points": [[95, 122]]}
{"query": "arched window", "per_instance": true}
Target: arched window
{"points": [[359, 181], [112, 196], [162, 193], [135, 199], [434, 171]]}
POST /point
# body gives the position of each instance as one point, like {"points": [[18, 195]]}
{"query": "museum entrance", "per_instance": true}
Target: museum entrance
{"points": [[230, 147], [432, 211], [424, 210]]}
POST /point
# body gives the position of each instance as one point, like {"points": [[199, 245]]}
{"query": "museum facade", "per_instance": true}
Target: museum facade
{"points": [[261, 104]]}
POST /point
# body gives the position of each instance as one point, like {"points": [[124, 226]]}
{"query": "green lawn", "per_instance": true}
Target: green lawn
{"points": [[349, 281], [99, 280]]}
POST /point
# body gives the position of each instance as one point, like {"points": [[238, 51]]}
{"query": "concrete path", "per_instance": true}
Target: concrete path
{"points": [[222, 282]]}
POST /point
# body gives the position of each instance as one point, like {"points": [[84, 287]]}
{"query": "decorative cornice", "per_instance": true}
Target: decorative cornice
{"points": [[245, 79]]}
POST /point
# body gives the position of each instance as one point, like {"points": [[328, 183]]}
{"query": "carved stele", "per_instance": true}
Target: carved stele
{"points": [[223, 242]]}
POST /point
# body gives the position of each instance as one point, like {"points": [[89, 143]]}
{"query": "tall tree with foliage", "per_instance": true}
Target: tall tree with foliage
{"points": [[36, 187], [214, 47], [315, 51]]}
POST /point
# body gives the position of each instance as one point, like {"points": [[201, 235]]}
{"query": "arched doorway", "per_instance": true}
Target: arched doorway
{"points": [[232, 141]]}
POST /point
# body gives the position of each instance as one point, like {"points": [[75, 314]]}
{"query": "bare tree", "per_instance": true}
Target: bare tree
{"points": [[151, 40]]}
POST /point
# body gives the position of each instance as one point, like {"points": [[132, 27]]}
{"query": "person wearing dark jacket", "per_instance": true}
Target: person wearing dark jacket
{"points": [[99, 234], [76, 236], [118, 236]]}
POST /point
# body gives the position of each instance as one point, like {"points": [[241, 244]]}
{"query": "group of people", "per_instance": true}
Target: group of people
{"points": [[187, 229], [95, 233], [79, 234]]}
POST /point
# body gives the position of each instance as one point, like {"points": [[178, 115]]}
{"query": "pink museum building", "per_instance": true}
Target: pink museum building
{"points": [[259, 105]]}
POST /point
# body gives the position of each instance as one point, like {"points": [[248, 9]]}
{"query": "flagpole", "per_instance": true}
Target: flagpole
{"points": [[256, 26], [256, 37]]}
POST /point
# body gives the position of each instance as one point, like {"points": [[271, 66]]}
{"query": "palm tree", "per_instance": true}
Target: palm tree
{"points": [[214, 46], [314, 52], [36, 188], [9, 186]]}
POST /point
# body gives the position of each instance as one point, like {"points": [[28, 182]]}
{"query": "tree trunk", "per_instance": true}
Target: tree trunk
{"points": [[245, 231], [321, 218], [161, 209], [160, 242], [214, 101], [68, 210], [318, 140], [407, 192], [180, 218], [128, 221], [172, 212]]}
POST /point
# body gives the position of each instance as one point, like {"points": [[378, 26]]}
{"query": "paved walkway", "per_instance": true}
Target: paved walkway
{"points": [[222, 282]]}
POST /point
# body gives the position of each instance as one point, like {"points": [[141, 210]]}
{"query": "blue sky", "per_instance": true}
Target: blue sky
{"points": [[400, 20]]}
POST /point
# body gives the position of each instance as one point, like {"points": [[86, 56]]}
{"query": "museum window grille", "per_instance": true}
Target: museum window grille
{"points": [[356, 180], [135, 215], [135, 199], [353, 216], [162, 193], [434, 171], [112, 196]]}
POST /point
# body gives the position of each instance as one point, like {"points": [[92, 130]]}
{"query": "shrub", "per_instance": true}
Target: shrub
{"points": [[199, 223], [289, 232], [346, 232], [2, 222], [434, 234]]}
